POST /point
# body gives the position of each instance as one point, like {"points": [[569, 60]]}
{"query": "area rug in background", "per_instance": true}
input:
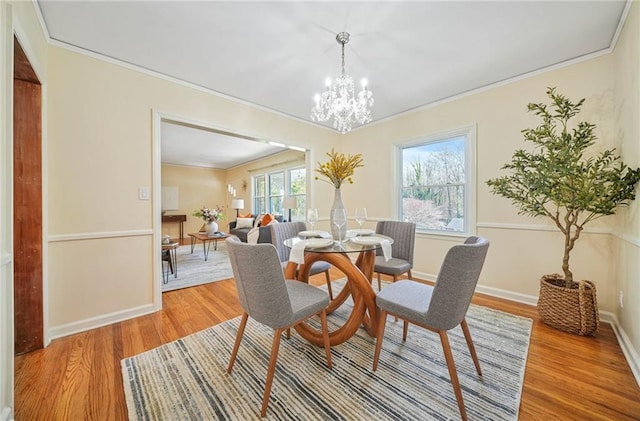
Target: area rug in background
{"points": [[194, 270], [187, 379]]}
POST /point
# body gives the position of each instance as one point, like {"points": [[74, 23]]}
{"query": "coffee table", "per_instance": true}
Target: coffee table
{"points": [[206, 241]]}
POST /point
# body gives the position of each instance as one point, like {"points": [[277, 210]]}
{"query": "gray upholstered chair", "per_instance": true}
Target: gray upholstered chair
{"points": [[268, 298], [404, 236], [438, 308], [284, 230]]}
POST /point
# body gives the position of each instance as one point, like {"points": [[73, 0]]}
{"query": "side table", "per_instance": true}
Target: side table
{"points": [[171, 249]]}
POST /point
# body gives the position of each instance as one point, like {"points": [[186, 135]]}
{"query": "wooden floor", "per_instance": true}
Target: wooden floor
{"points": [[78, 377]]}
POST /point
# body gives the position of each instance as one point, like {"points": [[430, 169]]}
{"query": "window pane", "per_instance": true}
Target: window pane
{"points": [[439, 208], [276, 193], [297, 185], [260, 186], [259, 199], [259, 205], [434, 163]]}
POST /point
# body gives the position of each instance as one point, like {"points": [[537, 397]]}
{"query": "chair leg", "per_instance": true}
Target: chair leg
{"points": [[409, 275], [405, 327], [395, 278], [379, 288], [379, 337], [166, 255], [326, 275], [288, 333], [170, 262], [325, 337], [165, 274], [236, 345], [472, 348], [272, 369], [452, 372]]}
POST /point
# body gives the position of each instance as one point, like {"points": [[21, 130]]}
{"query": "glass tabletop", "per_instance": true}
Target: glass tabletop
{"points": [[350, 245]]}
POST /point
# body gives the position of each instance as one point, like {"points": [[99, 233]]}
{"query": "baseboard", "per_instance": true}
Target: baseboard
{"points": [[6, 414], [425, 276], [95, 322], [508, 295], [631, 355]]}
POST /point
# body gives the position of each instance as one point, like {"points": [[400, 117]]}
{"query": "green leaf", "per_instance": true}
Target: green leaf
{"points": [[555, 180]]}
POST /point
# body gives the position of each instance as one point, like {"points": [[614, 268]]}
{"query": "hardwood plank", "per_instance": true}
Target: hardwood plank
{"points": [[75, 381], [567, 377]]}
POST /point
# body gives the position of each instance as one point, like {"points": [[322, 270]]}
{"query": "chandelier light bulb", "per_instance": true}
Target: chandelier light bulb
{"points": [[340, 100]]}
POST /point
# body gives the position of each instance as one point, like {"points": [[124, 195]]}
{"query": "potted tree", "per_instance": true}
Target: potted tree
{"points": [[561, 181]]}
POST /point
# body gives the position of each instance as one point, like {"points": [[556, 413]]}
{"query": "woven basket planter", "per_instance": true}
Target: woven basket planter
{"points": [[573, 310]]}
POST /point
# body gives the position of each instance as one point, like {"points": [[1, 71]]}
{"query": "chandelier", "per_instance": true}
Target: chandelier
{"points": [[339, 100]]}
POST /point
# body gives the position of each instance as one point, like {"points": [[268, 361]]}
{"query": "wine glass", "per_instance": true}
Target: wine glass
{"points": [[339, 219], [361, 216], [312, 217]]}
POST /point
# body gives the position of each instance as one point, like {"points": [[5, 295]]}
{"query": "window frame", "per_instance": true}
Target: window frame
{"points": [[286, 174], [255, 196], [280, 194], [470, 182]]}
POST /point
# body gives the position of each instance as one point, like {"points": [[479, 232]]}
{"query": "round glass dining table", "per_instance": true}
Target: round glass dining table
{"points": [[358, 285]]}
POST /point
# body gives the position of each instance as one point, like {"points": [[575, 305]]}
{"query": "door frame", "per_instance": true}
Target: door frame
{"points": [[37, 68], [157, 117]]}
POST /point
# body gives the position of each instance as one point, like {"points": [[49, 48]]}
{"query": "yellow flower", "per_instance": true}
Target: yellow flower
{"points": [[339, 168]]}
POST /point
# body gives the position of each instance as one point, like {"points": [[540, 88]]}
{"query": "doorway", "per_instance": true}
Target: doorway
{"points": [[184, 142], [27, 205]]}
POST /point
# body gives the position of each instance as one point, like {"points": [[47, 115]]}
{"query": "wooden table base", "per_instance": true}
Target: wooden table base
{"points": [[364, 313]]}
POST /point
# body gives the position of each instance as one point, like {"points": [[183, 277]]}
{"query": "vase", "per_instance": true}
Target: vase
{"points": [[211, 227], [337, 233]]}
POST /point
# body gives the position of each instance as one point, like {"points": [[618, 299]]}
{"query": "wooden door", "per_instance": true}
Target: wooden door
{"points": [[27, 205]]}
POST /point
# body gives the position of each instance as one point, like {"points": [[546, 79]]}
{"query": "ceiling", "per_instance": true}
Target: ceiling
{"points": [[193, 146], [277, 54]]}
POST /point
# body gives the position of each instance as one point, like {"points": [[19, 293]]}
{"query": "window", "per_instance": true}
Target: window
{"points": [[269, 191], [297, 188], [259, 195], [435, 190], [276, 193]]}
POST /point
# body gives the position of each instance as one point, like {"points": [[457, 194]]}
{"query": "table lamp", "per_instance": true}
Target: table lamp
{"points": [[289, 203], [237, 204]]}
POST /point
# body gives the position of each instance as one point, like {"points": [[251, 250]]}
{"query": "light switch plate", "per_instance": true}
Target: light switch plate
{"points": [[143, 193]]}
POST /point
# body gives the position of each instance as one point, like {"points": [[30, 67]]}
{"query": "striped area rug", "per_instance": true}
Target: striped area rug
{"points": [[194, 270], [187, 380]]}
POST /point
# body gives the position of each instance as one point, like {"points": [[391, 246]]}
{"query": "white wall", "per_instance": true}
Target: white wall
{"points": [[197, 187], [627, 130], [522, 249], [101, 150]]}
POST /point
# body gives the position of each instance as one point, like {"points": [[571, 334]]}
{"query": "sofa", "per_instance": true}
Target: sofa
{"points": [[264, 232]]}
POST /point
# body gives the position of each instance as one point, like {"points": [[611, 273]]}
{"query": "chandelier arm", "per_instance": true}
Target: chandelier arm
{"points": [[343, 59]]}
